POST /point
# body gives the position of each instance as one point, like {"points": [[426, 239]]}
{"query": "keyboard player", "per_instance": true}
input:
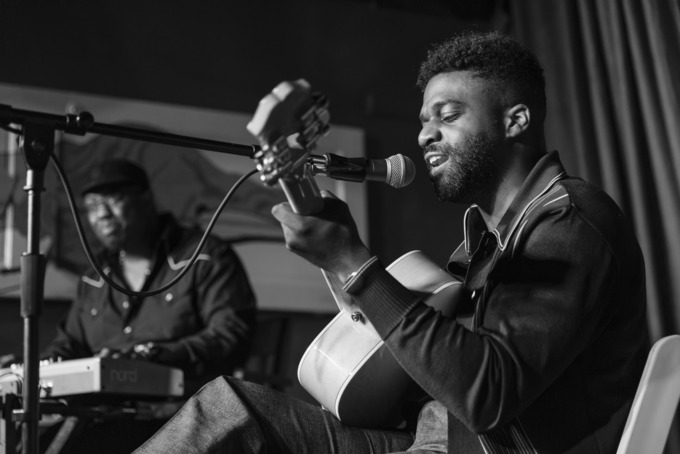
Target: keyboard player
{"points": [[202, 325]]}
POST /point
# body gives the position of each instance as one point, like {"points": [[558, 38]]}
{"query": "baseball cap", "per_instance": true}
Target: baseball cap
{"points": [[114, 174]]}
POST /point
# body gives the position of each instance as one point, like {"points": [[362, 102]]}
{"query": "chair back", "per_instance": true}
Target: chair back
{"points": [[658, 393]]}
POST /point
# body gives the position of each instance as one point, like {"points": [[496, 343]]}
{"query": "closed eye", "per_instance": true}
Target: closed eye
{"points": [[450, 117]]}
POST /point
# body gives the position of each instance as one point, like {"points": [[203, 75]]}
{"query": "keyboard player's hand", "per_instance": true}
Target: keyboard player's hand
{"points": [[147, 350], [144, 351], [107, 353]]}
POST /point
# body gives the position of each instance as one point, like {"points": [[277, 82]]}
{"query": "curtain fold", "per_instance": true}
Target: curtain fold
{"points": [[613, 83], [613, 86]]}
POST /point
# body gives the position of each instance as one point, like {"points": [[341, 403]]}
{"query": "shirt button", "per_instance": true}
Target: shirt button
{"points": [[127, 330], [168, 297], [93, 311], [126, 304]]}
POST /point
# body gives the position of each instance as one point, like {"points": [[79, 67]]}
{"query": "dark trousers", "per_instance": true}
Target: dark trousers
{"points": [[231, 416]]}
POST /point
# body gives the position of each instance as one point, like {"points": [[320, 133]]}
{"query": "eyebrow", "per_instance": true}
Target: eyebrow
{"points": [[436, 107]]}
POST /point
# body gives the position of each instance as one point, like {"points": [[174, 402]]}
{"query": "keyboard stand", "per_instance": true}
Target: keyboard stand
{"points": [[75, 420]]}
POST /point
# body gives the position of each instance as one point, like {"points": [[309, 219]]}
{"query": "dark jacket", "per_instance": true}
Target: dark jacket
{"points": [[549, 343], [203, 324]]}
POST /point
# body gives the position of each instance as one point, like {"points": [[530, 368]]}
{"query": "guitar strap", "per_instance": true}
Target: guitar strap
{"points": [[476, 275]]}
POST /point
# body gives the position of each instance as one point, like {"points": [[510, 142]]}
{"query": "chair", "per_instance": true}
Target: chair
{"points": [[655, 402]]}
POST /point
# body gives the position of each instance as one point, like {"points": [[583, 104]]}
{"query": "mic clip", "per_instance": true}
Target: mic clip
{"points": [[339, 167]]}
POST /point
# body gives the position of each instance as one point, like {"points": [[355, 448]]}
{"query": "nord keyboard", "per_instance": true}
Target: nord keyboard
{"points": [[99, 375]]}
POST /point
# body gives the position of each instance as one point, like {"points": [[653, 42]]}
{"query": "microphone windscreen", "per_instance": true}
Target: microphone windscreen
{"points": [[400, 171]]}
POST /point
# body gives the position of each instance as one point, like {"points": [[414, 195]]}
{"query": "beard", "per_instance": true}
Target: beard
{"points": [[111, 242], [470, 171]]}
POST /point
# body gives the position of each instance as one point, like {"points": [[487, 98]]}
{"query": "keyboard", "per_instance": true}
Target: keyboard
{"points": [[122, 377]]}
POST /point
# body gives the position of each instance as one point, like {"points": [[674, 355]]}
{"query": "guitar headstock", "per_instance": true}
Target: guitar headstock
{"points": [[287, 123]]}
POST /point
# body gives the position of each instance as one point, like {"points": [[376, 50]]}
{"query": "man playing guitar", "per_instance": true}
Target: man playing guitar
{"points": [[547, 343]]}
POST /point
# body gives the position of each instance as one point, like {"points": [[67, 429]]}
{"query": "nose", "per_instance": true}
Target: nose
{"points": [[101, 210], [428, 135]]}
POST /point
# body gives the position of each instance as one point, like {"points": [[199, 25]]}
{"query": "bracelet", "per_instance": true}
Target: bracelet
{"points": [[352, 277]]}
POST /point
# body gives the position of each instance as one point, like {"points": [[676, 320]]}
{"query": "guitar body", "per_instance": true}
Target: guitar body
{"points": [[348, 368]]}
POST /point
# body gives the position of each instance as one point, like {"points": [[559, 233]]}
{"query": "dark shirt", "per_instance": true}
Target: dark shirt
{"points": [[549, 343], [203, 324]]}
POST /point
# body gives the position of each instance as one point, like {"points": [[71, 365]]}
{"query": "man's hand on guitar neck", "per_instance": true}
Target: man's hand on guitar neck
{"points": [[328, 239]]}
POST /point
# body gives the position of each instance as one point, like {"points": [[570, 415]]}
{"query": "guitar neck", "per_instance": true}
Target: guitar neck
{"points": [[335, 286], [301, 190], [288, 123]]}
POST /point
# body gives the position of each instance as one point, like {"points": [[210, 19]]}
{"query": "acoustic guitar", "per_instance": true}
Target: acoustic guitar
{"points": [[347, 368]]}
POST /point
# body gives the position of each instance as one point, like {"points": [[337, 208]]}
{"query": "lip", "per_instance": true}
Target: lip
{"points": [[108, 228], [434, 155]]}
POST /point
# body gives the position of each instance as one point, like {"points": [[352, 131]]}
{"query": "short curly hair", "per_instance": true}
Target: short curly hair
{"points": [[513, 71]]}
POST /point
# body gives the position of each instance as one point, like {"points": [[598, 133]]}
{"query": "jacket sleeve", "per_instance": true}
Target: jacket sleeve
{"points": [[540, 308], [226, 305]]}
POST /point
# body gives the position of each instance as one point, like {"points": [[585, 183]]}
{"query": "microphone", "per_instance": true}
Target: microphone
{"points": [[397, 170]]}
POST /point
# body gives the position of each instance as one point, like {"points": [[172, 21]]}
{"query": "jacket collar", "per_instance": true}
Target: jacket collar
{"points": [[547, 171]]}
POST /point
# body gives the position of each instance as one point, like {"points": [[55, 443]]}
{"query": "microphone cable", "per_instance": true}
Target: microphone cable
{"points": [[97, 267]]}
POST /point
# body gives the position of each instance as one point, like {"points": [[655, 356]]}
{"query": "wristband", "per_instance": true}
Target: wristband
{"points": [[354, 280]]}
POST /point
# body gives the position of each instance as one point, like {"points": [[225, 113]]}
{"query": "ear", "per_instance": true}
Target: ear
{"points": [[517, 120]]}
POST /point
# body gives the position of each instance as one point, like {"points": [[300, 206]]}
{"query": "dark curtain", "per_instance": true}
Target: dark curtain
{"points": [[613, 85]]}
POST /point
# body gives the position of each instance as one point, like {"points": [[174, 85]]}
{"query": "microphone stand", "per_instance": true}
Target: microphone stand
{"points": [[37, 145]]}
